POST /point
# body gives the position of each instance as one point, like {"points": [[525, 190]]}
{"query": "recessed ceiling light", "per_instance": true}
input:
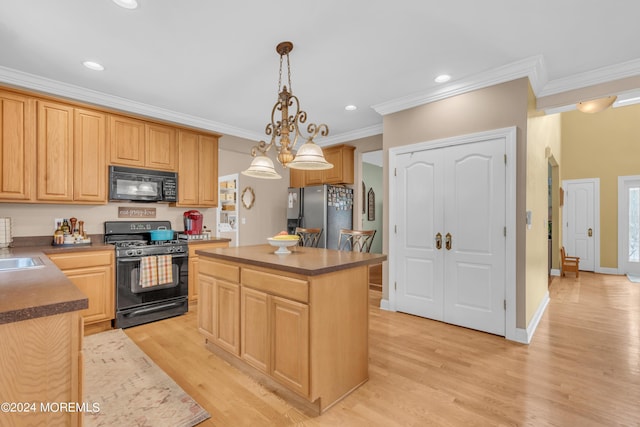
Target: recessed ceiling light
{"points": [[350, 108], [127, 4], [442, 78], [93, 65]]}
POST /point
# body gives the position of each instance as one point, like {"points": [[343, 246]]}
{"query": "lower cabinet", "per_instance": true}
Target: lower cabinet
{"points": [[41, 364], [92, 272], [194, 267], [275, 337]]}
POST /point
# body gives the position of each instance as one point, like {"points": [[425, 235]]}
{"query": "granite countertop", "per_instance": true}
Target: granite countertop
{"points": [[38, 292], [302, 260]]}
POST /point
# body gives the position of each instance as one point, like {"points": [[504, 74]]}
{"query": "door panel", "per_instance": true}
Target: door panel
{"points": [[629, 206], [419, 281], [474, 210], [579, 219]]}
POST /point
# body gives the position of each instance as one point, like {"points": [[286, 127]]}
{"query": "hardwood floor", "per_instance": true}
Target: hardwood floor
{"points": [[582, 368]]}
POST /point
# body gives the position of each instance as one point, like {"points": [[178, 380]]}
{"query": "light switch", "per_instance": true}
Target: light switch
{"points": [[244, 220]]}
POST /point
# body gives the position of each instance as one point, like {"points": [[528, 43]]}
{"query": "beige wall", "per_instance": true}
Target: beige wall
{"points": [[499, 106], [268, 215], [543, 144], [604, 145]]}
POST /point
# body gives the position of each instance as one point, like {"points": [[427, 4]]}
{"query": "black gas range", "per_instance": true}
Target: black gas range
{"points": [[152, 276]]}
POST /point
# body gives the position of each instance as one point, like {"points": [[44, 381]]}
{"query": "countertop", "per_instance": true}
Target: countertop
{"points": [[213, 240], [302, 260], [38, 292]]}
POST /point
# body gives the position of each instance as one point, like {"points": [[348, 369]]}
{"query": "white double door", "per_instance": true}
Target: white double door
{"points": [[450, 244]]}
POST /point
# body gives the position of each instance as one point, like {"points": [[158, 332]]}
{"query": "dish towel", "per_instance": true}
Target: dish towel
{"points": [[165, 269], [148, 272]]}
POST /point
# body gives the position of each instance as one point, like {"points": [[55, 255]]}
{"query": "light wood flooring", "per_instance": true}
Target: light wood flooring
{"points": [[582, 368]]}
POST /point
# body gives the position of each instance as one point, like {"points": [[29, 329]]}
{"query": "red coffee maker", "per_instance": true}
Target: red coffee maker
{"points": [[192, 222]]}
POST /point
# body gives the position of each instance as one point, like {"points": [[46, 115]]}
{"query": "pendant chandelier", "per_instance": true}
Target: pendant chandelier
{"points": [[285, 132]]}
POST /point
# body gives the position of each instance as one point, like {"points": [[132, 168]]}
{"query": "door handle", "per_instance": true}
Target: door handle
{"points": [[590, 232], [447, 241], [439, 241]]}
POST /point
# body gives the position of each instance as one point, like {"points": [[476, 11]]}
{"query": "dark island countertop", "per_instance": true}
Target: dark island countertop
{"points": [[302, 260]]}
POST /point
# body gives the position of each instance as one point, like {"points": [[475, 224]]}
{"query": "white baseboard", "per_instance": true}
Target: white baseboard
{"points": [[524, 336], [555, 272], [384, 305], [607, 270]]}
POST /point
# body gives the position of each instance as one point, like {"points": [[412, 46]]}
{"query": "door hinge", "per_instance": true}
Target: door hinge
{"points": [[505, 232], [505, 159], [395, 286], [395, 172], [395, 229], [505, 304]]}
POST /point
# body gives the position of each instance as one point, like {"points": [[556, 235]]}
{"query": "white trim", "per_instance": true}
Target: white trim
{"points": [[350, 136], [622, 199], [532, 67], [384, 305], [555, 272], [524, 336], [509, 134], [596, 217], [606, 270]]}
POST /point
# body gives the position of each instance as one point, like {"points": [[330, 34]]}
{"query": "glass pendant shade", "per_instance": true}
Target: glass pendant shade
{"points": [[310, 157], [596, 105], [262, 167]]}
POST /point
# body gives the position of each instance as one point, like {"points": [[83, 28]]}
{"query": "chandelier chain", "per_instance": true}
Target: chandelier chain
{"points": [[289, 73]]}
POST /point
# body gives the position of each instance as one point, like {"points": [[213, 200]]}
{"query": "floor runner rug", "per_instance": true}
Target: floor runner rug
{"points": [[130, 389]]}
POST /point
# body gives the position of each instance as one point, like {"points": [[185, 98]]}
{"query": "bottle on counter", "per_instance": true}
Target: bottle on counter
{"points": [[65, 226]]}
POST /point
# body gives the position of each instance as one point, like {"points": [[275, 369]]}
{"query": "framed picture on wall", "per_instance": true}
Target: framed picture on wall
{"points": [[371, 203]]}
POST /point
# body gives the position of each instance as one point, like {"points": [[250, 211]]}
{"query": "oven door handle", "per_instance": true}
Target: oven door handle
{"points": [[138, 259], [154, 308]]}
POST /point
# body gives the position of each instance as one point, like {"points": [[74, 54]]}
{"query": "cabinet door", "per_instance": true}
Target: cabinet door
{"points": [[313, 177], [161, 147], [290, 343], [254, 321], [296, 178], [227, 316], [17, 147], [188, 152], [97, 284], [208, 171], [126, 141], [206, 306], [341, 158], [55, 152], [90, 164]]}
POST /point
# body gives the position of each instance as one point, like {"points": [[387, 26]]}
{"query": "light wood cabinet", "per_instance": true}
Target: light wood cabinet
{"points": [[197, 169], [17, 147], [55, 152], [137, 143], [194, 269], [41, 362], [219, 320], [342, 159], [93, 273], [70, 154]]}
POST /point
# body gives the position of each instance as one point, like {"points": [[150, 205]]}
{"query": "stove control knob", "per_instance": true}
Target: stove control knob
{"points": [[170, 249], [139, 252], [179, 249], [129, 252]]}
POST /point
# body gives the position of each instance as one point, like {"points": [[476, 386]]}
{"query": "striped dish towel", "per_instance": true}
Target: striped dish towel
{"points": [[165, 270], [148, 272]]}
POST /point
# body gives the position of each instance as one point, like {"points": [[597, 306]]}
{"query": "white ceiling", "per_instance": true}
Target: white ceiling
{"points": [[213, 64]]}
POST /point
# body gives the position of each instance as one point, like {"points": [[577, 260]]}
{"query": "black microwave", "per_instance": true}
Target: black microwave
{"points": [[142, 185]]}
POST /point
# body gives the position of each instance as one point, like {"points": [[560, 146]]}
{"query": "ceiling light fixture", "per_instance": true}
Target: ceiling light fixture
{"points": [[127, 4], [350, 108], [596, 105], [442, 78], [92, 65], [309, 155]]}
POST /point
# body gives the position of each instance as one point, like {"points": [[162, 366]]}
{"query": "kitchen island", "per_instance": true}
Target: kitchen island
{"points": [[298, 322]]}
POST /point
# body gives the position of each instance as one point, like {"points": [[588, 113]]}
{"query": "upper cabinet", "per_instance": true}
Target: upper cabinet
{"points": [[197, 169], [142, 144], [70, 154], [17, 147], [342, 159]]}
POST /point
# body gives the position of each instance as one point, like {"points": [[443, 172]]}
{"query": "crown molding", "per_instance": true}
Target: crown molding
{"points": [[532, 67], [351, 135], [28, 81], [591, 78]]}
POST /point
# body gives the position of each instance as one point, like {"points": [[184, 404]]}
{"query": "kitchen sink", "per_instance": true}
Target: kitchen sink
{"points": [[20, 263]]}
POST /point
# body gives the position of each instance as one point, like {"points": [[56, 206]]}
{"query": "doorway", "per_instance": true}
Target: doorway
{"points": [[581, 220], [629, 225], [452, 219]]}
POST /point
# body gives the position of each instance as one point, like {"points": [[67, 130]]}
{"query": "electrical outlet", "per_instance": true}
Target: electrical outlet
{"points": [[56, 222]]}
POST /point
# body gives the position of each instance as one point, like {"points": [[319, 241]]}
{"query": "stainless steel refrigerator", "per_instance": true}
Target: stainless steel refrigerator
{"points": [[329, 207]]}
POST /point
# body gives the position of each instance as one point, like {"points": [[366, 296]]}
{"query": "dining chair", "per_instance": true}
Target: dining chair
{"points": [[355, 240], [309, 236], [569, 263]]}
